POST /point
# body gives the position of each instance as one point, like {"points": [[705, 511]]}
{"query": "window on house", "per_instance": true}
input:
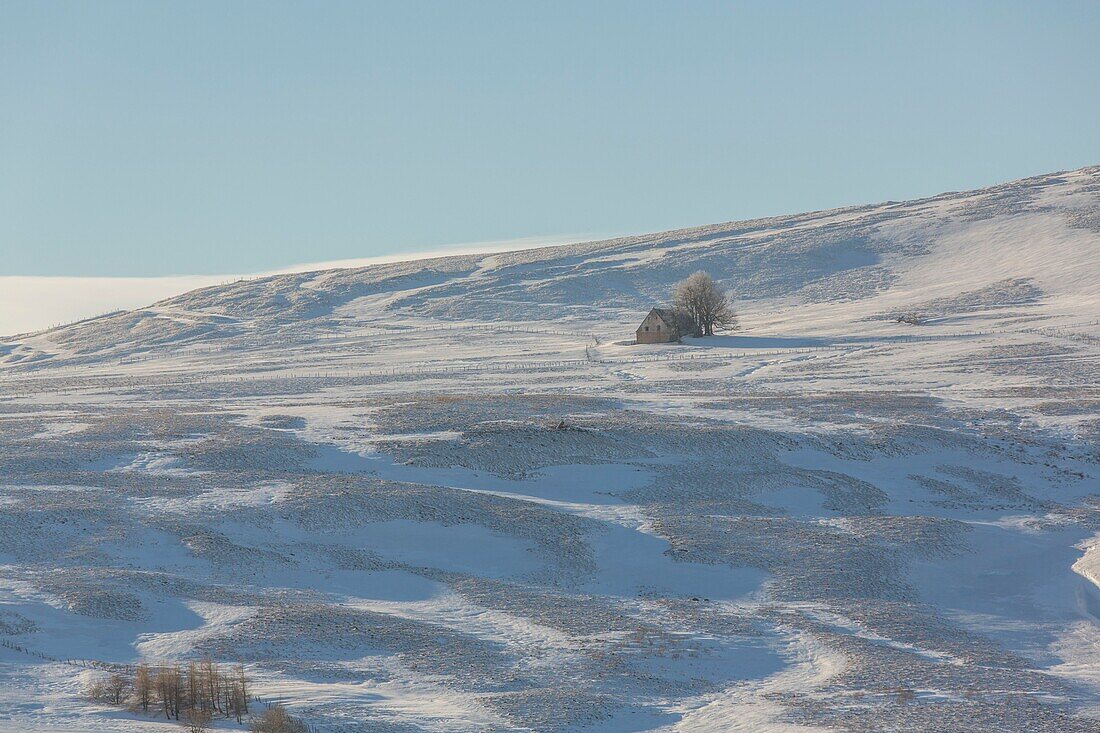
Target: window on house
{"points": [[647, 328], [658, 326]]}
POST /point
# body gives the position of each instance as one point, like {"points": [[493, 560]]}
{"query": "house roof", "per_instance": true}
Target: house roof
{"points": [[670, 317], [667, 315]]}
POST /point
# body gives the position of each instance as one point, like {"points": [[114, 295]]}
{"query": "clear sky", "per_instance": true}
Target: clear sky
{"points": [[155, 138]]}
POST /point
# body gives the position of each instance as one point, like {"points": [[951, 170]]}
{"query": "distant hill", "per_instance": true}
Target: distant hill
{"points": [[1032, 244]]}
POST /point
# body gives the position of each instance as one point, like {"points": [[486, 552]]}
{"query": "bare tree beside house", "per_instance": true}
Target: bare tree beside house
{"points": [[704, 303]]}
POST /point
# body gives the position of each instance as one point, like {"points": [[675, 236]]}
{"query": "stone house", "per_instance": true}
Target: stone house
{"points": [[661, 326]]}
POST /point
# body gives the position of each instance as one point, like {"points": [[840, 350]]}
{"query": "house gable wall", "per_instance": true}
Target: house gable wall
{"points": [[654, 330]]}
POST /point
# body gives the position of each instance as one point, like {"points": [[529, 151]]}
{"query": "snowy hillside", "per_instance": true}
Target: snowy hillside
{"points": [[451, 495]]}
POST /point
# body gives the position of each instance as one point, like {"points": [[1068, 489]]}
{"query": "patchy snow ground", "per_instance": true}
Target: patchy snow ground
{"points": [[450, 495]]}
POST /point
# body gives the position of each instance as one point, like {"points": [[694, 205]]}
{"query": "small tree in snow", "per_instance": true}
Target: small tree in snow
{"points": [[110, 689], [198, 720], [170, 690], [238, 697], [144, 687], [704, 303], [117, 684], [277, 720]]}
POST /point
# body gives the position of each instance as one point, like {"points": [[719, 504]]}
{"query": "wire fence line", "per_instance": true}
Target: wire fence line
{"points": [[429, 369], [27, 385], [80, 663], [1061, 332], [389, 334], [394, 333]]}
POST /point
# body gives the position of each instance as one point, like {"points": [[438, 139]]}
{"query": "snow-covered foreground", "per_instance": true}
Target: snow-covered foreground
{"points": [[449, 495]]}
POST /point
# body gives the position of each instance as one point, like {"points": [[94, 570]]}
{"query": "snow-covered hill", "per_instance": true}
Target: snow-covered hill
{"points": [[1028, 243], [451, 495]]}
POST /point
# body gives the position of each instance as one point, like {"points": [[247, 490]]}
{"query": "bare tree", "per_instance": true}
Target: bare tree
{"points": [[277, 720], [213, 678], [169, 685], [196, 689], [198, 720], [143, 687], [163, 685], [97, 689], [703, 302], [110, 689], [239, 695], [116, 687]]}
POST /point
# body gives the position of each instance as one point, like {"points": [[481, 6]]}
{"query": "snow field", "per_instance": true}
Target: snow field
{"points": [[450, 495]]}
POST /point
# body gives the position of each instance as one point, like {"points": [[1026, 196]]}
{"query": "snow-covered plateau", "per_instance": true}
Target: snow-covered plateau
{"points": [[452, 495]]}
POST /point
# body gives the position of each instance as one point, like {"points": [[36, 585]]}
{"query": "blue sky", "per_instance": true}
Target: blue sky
{"points": [[145, 139]]}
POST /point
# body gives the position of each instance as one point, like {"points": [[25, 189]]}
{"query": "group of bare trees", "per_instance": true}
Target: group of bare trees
{"points": [[193, 693], [703, 305]]}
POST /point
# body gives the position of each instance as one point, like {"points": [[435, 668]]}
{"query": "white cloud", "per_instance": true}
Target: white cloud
{"points": [[31, 302]]}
